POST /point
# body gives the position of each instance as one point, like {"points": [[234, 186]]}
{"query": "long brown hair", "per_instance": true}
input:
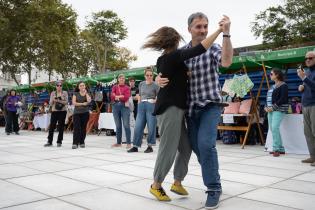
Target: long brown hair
{"points": [[165, 38]]}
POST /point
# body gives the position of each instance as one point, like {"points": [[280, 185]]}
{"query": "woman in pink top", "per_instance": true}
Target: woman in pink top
{"points": [[120, 97]]}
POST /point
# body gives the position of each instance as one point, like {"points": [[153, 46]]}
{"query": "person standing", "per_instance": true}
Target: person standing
{"points": [[134, 92], [120, 96], [12, 103], [308, 103], [204, 101], [3, 106], [81, 100], [148, 91], [277, 106], [58, 102]]}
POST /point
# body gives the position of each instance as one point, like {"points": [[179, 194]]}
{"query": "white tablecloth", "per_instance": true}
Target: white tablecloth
{"points": [[292, 134], [42, 121], [106, 121]]}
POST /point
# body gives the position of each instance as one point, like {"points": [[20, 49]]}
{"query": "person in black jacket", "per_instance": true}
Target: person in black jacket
{"points": [[277, 106], [170, 107]]}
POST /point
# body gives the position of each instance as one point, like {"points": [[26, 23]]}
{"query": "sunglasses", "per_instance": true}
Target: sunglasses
{"points": [[149, 75], [309, 58], [58, 85]]}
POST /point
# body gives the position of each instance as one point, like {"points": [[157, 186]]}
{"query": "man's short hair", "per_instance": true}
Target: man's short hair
{"points": [[196, 15], [131, 79]]}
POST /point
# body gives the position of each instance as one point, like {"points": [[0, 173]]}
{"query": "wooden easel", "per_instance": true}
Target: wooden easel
{"points": [[252, 114]]}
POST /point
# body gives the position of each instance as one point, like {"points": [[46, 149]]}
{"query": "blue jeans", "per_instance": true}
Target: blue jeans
{"points": [[274, 120], [202, 133], [122, 113], [144, 116]]}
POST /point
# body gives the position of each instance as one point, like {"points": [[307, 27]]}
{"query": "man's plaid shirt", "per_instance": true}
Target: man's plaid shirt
{"points": [[204, 86]]}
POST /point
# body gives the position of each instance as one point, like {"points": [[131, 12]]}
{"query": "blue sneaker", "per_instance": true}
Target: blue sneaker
{"points": [[212, 199]]}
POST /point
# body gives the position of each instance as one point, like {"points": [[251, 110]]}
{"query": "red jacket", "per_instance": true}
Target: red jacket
{"points": [[121, 90]]}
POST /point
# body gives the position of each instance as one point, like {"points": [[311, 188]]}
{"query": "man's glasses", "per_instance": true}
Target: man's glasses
{"points": [[58, 85], [308, 58], [149, 75]]}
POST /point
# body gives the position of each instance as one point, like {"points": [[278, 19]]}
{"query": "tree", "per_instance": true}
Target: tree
{"points": [[35, 34], [104, 31], [290, 24], [119, 58]]}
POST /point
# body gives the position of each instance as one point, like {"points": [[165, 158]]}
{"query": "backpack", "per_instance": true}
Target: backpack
{"points": [[229, 137], [98, 96]]}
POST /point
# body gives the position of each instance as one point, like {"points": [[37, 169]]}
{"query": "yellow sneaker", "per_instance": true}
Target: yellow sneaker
{"points": [[159, 194], [179, 189]]}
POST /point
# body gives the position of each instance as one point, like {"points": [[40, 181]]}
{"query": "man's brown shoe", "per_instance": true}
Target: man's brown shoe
{"points": [[308, 160]]}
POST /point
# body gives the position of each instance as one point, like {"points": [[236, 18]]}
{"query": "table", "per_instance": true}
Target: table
{"points": [[292, 134], [42, 121], [106, 121]]}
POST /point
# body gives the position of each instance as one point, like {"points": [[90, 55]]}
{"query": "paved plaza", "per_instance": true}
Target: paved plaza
{"points": [[99, 177]]}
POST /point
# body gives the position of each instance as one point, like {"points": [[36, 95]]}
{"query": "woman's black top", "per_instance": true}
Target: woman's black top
{"points": [[172, 66]]}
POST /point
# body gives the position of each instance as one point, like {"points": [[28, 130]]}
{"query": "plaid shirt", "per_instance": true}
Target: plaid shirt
{"points": [[204, 86]]}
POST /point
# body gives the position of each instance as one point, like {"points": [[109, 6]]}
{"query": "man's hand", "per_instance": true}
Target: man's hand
{"points": [[225, 24], [301, 88], [301, 74], [161, 82]]}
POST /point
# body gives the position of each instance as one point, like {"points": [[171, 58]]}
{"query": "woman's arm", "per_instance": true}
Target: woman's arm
{"points": [[75, 103], [125, 94], [283, 97]]}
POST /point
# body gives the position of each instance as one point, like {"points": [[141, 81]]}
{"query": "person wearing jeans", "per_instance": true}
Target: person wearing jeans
{"points": [[121, 111], [204, 98], [202, 125], [148, 91], [276, 107]]}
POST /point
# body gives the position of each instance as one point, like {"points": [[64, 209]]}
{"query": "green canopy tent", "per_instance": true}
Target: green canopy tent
{"points": [[281, 58], [137, 73], [23, 88]]}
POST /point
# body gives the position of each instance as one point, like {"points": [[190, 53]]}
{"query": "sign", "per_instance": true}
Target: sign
{"points": [[228, 118]]}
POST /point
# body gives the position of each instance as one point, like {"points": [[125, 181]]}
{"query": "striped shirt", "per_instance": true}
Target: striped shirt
{"points": [[204, 86], [269, 96]]}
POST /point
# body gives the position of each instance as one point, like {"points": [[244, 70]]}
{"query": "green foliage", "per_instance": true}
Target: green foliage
{"points": [[35, 34], [104, 31], [290, 24], [43, 35]]}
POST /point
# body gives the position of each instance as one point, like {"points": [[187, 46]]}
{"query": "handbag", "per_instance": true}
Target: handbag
{"points": [[59, 106]]}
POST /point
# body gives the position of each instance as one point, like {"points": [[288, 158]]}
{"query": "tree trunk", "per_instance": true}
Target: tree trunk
{"points": [[105, 58], [29, 72], [14, 78]]}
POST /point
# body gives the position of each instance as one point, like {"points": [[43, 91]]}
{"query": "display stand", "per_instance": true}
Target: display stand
{"points": [[253, 114]]}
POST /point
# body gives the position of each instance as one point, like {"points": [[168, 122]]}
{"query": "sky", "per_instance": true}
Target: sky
{"points": [[142, 17]]}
